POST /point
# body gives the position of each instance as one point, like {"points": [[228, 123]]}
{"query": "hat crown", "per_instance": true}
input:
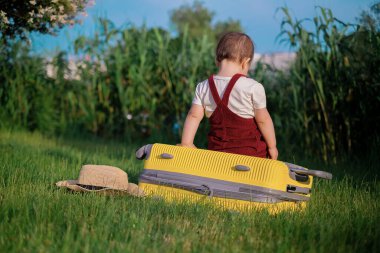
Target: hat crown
{"points": [[103, 176]]}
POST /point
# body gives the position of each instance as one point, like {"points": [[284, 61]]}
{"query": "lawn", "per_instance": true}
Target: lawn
{"points": [[343, 215]]}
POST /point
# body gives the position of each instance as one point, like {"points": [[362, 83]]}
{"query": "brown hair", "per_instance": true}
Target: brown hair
{"points": [[234, 46]]}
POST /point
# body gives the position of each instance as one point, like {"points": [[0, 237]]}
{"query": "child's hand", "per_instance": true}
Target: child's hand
{"points": [[273, 153], [187, 145]]}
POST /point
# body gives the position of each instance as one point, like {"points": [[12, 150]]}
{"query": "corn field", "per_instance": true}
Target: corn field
{"points": [[137, 83], [146, 82], [333, 89]]}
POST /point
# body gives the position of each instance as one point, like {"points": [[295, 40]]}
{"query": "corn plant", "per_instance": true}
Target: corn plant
{"points": [[323, 81]]}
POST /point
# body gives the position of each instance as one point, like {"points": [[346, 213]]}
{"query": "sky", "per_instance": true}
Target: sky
{"points": [[259, 18]]}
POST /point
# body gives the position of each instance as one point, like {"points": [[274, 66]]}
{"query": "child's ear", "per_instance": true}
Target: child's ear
{"points": [[246, 62]]}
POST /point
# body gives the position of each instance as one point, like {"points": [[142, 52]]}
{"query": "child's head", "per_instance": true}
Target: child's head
{"points": [[236, 47]]}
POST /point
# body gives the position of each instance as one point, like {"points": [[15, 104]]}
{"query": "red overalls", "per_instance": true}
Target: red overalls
{"points": [[231, 133]]}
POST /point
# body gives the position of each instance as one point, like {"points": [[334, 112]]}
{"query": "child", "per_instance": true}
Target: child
{"points": [[234, 104]]}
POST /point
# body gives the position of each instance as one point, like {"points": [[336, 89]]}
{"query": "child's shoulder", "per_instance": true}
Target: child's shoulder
{"points": [[249, 80], [202, 85], [250, 83]]}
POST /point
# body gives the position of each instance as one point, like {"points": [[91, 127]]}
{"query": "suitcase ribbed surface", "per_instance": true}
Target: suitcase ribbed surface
{"points": [[218, 165]]}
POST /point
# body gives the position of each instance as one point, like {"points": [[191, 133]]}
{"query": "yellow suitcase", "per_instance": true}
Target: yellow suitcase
{"points": [[230, 181]]}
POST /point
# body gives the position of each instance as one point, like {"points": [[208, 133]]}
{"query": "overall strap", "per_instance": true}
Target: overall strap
{"points": [[214, 92], [229, 88]]}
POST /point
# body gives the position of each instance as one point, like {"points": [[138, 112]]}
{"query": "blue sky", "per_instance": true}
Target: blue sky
{"points": [[258, 18]]}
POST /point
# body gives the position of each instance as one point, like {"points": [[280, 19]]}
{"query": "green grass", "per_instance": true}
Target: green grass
{"points": [[343, 214]]}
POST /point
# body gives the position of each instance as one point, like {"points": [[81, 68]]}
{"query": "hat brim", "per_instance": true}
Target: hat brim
{"points": [[74, 186]]}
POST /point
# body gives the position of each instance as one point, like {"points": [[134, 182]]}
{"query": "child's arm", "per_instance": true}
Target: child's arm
{"points": [[190, 127], [265, 124]]}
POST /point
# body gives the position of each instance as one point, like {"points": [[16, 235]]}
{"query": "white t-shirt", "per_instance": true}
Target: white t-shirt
{"points": [[246, 95]]}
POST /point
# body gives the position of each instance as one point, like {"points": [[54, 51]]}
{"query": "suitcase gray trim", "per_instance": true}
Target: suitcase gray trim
{"points": [[297, 189], [218, 188]]}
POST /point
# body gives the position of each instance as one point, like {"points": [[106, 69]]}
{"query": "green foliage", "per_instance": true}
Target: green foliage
{"points": [[23, 87], [342, 215], [371, 19], [196, 21], [131, 82], [331, 92]]}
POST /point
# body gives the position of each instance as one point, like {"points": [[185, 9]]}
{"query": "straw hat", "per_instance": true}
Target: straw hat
{"points": [[102, 178]]}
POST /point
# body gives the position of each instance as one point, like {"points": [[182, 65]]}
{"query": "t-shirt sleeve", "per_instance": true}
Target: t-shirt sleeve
{"points": [[197, 96], [258, 96]]}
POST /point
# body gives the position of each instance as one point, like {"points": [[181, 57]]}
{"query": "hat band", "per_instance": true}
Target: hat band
{"points": [[92, 187]]}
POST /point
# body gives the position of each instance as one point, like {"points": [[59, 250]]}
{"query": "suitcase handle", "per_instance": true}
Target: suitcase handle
{"points": [[144, 152], [315, 173], [242, 168], [166, 156]]}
